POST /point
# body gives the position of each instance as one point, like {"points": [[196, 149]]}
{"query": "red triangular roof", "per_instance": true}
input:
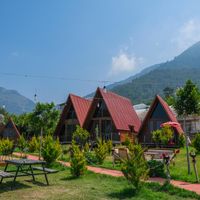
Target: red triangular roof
{"points": [[81, 107], [166, 108], [120, 108]]}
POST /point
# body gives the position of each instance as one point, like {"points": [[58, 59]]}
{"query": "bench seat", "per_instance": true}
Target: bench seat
{"points": [[45, 169], [5, 174]]}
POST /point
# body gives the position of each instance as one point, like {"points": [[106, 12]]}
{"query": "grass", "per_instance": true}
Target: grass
{"points": [[91, 186], [179, 171]]}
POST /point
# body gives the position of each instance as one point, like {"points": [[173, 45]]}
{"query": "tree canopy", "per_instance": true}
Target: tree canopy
{"points": [[187, 99], [44, 116]]}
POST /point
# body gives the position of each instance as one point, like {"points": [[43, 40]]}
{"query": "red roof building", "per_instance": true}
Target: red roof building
{"points": [[158, 113], [73, 113], [111, 116], [9, 131]]}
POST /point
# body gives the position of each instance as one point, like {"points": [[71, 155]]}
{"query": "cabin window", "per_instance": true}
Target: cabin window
{"points": [[101, 110], [95, 129], [69, 130], [71, 113], [159, 113], [106, 129]]}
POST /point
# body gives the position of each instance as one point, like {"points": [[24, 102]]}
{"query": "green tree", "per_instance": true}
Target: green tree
{"points": [[77, 161], [22, 144], [187, 99], [196, 142], [51, 149], [167, 134], [187, 103], [34, 144], [80, 136], [162, 135], [44, 116], [23, 124], [135, 167], [156, 136], [6, 146], [169, 95], [101, 151]]}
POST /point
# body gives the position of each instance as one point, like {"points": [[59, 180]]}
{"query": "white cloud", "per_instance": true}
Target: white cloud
{"points": [[123, 63], [188, 34]]}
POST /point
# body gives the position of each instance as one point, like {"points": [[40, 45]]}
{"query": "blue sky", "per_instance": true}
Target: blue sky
{"points": [[88, 40]]}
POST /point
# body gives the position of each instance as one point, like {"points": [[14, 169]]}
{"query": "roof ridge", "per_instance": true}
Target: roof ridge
{"points": [[117, 95], [76, 96]]}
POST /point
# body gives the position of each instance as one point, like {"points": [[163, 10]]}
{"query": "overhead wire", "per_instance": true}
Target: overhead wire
{"points": [[53, 77]]}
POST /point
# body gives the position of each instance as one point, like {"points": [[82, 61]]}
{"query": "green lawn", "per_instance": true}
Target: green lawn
{"points": [[91, 186], [179, 171]]}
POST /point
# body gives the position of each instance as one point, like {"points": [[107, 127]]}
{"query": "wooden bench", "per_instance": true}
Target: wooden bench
{"points": [[49, 171], [5, 174], [119, 154]]}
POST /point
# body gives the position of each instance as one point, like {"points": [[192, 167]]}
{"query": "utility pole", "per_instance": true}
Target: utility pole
{"points": [[187, 145], [41, 135]]}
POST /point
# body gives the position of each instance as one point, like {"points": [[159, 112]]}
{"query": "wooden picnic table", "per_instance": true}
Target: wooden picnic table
{"points": [[25, 167]]}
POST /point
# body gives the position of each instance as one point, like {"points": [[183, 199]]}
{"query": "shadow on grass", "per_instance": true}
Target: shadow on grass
{"points": [[123, 194], [38, 183], [172, 190], [8, 186], [69, 178]]}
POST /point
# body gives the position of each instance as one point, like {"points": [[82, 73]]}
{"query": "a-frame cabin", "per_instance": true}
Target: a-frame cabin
{"points": [[158, 113], [111, 117], [73, 113], [9, 131]]}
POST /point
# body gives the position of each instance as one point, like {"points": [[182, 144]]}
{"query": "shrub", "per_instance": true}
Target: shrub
{"points": [[51, 149], [156, 168], [91, 158], [163, 135], [80, 136], [181, 140], [135, 167], [22, 144], [86, 148], [77, 161], [127, 141], [6, 146], [156, 136], [109, 146], [167, 134], [196, 142], [101, 151], [34, 144]]}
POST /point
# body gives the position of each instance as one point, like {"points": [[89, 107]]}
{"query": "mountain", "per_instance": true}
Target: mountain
{"points": [[128, 80], [15, 102], [151, 81]]}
